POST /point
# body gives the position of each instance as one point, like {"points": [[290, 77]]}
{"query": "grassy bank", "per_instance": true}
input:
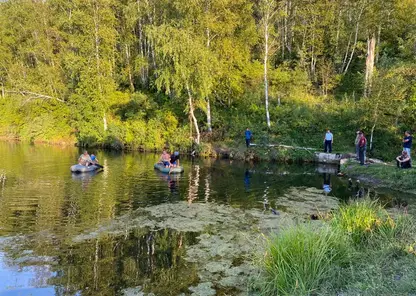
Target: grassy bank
{"points": [[359, 249], [383, 175]]}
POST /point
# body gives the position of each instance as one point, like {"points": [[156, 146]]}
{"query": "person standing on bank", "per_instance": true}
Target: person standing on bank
{"points": [[362, 147], [407, 142], [328, 141], [248, 135]]}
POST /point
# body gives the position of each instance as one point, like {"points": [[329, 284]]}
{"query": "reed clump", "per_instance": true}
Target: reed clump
{"points": [[359, 245]]}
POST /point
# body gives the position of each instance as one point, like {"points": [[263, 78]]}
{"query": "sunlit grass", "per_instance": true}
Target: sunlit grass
{"points": [[388, 174], [300, 258], [365, 220], [359, 249]]}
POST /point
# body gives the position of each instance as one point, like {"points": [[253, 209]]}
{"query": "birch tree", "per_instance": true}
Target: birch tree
{"points": [[268, 11], [184, 67]]}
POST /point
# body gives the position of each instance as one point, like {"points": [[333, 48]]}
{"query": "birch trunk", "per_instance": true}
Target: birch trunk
{"points": [[129, 68], [209, 115], [97, 59], [369, 64], [207, 99], [191, 112], [266, 82], [355, 39], [375, 121]]}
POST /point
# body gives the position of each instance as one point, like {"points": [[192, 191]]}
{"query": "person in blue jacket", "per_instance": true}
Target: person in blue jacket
{"points": [[248, 135], [407, 142]]}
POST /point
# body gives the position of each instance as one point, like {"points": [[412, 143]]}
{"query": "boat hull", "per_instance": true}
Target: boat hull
{"points": [[77, 168], [163, 169]]}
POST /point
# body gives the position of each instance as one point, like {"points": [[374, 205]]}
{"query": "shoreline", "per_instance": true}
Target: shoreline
{"points": [[382, 175]]}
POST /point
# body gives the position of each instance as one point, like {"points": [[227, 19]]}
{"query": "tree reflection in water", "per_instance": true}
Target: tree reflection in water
{"points": [[104, 266]]}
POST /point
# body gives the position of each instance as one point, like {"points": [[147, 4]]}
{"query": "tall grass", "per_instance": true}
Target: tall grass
{"points": [[301, 258], [360, 247], [366, 221]]}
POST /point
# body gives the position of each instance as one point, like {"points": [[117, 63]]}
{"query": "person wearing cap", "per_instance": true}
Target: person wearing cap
{"points": [[362, 147], [357, 148], [174, 159], [407, 142], [328, 141], [403, 160]]}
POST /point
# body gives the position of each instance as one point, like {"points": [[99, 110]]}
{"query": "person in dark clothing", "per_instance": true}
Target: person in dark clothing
{"points": [[403, 161], [362, 145], [174, 159], [407, 142], [248, 135]]}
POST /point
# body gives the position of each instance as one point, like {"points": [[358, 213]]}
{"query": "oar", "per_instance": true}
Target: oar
{"points": [[99, 165]]}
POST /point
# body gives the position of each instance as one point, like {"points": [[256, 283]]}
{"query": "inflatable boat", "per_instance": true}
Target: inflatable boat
{"points": [[77, 168], [163, 169]]}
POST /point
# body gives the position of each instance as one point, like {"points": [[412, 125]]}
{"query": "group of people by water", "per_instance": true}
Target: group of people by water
{"points": [[403, 160]]}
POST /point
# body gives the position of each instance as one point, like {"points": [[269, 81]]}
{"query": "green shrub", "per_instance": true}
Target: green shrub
{"points": [[366, 221], [300, 258]]}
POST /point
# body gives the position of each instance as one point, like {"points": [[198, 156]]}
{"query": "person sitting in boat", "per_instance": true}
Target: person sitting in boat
{"points": [[165, 159], [403, 160], [84, 159], [94, 159], [174, 160]]}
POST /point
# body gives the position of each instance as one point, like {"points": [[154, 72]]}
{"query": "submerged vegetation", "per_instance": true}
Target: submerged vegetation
{"points": [[194, 74], [360, 248]]}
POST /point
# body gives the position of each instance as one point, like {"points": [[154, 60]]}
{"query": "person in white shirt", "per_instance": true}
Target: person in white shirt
{"points": [[328, 141]]}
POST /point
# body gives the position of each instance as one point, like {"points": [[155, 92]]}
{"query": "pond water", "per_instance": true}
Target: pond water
{"points": [[132, 230]]}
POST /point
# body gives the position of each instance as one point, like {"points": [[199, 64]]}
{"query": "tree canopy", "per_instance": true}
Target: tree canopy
{"points": [[149, 73]]}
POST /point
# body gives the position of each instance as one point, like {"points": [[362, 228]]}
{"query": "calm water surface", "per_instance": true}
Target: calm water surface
{"points": [[43, 207]]}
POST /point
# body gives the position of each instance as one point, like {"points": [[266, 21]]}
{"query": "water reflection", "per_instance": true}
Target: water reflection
{"points": [[47, 206], [172, 181], [327, 186], [193, 185], [247, 180], [104, 266]]}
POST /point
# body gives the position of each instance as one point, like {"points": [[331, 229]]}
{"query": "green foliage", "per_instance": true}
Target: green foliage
{"points": [[107, 70], [367, 222], [361, 250], [301, 258], [388, 174]]}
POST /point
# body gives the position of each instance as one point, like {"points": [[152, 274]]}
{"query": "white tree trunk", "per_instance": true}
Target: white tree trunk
{"points": [[371, 136], [355, 39], [266, 82], [369, 64], [97, 60], [191, 112], [209, 115], [105, 122], [207, 99]]}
